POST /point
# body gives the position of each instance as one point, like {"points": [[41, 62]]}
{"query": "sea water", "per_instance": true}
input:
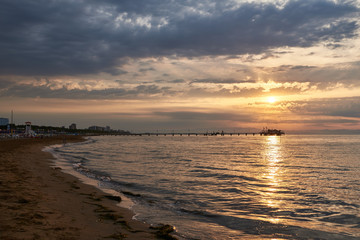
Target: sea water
{"points": [[231, 187]]}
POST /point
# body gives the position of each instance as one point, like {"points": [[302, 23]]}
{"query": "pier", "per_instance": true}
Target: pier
{"points": [[264, 132], [196, 134]]}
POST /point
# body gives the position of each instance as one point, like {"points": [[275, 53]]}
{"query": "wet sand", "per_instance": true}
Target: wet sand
{"points": [[38, 201]]}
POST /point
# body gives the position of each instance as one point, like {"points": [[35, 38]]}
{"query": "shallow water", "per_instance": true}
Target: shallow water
{"points": [[232, 187]]}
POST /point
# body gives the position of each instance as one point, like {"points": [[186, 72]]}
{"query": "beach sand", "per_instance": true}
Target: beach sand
{"points": [[38, 201]]}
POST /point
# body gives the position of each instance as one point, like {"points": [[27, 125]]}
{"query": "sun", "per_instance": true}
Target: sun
{"points": [[271, 99]]}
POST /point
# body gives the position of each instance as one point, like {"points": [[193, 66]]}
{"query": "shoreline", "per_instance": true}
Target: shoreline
{"points": [[38, 201]]}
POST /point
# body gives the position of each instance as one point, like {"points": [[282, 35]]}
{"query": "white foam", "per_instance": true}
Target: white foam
{"points": [[66, 167]]}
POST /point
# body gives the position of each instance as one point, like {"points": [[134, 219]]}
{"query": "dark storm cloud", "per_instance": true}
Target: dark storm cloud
{"points": [[177, 81], [67, 37], [44, 91], [144, 70]]}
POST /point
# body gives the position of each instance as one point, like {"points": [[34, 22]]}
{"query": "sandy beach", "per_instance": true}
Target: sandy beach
{"points": [[38, 201]]}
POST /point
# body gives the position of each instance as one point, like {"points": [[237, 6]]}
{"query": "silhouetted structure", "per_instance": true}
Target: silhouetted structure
{"points": [[271, 132]]}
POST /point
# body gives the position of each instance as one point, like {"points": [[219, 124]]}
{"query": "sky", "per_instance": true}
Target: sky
{"points": [[182, 65]]}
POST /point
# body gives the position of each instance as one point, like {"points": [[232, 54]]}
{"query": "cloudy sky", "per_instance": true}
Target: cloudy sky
{"points": [[181, 65]]}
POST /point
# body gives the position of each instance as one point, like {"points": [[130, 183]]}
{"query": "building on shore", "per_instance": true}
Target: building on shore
{"points": [[28, 131], [4, 121], [96, 128], [72, 126], [102, 129]]}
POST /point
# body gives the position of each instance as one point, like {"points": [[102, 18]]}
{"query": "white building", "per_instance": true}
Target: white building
{"points": [[97, 128], [28, 131]]}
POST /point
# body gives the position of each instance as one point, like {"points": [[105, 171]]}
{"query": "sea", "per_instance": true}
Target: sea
{"points": [[229, 187]]}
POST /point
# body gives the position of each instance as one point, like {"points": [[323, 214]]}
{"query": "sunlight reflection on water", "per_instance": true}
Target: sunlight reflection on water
{"points": [[257, 186], [272, 175]]}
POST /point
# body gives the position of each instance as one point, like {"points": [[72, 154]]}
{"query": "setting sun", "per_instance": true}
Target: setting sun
{"points": [[271, 99]]}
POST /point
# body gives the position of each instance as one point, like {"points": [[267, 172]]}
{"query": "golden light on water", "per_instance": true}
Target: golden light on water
{"points": [[272, 175]]}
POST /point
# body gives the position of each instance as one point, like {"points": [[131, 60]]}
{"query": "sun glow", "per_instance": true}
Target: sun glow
{"points": [[271, 99]]}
